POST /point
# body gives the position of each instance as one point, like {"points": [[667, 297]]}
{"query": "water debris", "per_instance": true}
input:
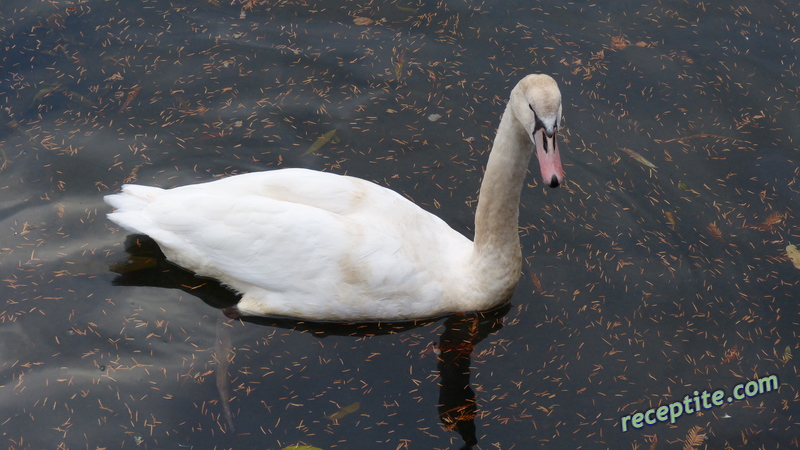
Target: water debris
{"points": [[701, 135], [769, 223], [44, 92], [329, 136], [351, 408], [670, 219], [27, 228], [694, 438], [638, 157], [537, 283], [619, 42], [404, 8], [75, 97], [434, 117], [794, 254], [715, 232], [363, 21], [129, 98], [400, 62], [300, 447], [786, 356]]}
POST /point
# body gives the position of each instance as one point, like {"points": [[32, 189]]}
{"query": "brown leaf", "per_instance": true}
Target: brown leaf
{"points": [[363, 21]]}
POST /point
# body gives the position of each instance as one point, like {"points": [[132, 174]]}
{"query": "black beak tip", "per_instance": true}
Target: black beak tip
{"points": [[554, 182]]}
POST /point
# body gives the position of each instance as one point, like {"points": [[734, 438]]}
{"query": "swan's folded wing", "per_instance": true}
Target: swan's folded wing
{"points": [[325, 247]]}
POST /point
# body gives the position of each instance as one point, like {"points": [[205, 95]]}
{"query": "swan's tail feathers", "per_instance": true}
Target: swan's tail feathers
{"points": [[129, 205]]}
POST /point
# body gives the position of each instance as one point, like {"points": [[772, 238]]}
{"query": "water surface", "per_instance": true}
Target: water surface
{"points": [[641, 285]]}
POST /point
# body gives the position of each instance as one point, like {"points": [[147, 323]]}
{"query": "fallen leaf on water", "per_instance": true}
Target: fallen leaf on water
{"points": [[324, 139], [794, 255], [74, 96], [400, 63], [345, 411], [694, 438], [362, 21], [619, 42], [537, 283], [716, 233], [43, 92], [638, 157], [670, 219], [404, 8], [129, 97], [769, 223], [787, 355]]}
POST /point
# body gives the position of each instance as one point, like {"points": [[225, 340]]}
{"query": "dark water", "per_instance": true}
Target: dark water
{"points": [[641, 286]]}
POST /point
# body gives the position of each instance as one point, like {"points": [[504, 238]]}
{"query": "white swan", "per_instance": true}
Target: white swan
{"points": [[320, 246]]}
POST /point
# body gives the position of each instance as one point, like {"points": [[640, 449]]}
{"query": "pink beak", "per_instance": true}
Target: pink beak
{"points": [[549, 158]]}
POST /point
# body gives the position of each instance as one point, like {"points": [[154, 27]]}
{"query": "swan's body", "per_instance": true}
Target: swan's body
{"points": [[320, 246]]}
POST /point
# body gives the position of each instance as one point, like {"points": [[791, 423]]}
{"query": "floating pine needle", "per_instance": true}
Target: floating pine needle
{"points": [[330, 136], [654, 441], [345, 411], [794, 254], [700, 135], [301, 447], [731, 355], [638, 157]]}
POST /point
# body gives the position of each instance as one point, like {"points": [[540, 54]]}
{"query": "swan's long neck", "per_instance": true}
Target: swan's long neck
{"points": [[497, 252]]}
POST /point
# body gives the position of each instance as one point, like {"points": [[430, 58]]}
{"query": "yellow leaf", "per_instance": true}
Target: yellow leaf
{"points": [[670, 219], [345, 411], [794, 255], [787, 354], [404, 8], [638, 157], [324, 139]]}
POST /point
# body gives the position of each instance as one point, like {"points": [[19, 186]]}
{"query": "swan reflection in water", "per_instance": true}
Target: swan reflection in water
{"points": [[147, 266]]}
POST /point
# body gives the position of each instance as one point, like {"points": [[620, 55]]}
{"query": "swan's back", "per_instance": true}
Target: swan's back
{"points": [[302, 243]]}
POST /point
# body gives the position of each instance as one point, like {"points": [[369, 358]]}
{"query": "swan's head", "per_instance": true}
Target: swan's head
{"points": [[536, 102]]}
